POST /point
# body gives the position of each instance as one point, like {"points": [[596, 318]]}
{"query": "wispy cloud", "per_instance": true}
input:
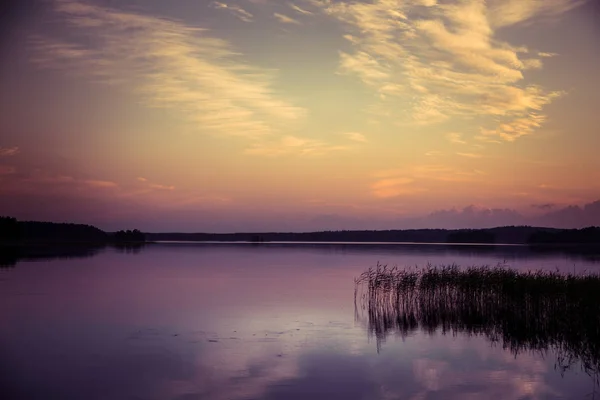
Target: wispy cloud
{"points": [[170, 65], [356, 137], [152, 185], [8, 151], [299, 9], [470, 155], [455, 138], [545, 206], [99, 183], [504, 13], [543, 54], [394, 187], [42, 181], [238, 11], [419, 178], [284, 19], [294, 145], [445, 60], [444, 173]]}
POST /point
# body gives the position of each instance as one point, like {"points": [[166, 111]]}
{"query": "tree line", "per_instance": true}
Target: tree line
{"points": [[14, 231]]}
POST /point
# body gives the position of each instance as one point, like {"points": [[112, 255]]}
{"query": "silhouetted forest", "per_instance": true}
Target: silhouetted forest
{"points": [[13, 231], [505, 235], [589, 235], [131, 236], [9, 230], [471, 236]]}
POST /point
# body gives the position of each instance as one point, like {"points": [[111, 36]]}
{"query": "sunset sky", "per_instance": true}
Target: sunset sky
{"points": [[250, 115]]}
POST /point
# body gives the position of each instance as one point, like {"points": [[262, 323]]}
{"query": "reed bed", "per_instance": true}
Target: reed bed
{"points": [[536, 310]]}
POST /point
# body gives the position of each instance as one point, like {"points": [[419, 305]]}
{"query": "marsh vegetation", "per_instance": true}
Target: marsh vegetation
{"points": [[541, 311]]}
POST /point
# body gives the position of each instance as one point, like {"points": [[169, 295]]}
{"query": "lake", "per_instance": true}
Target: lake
{"points": [[187, 321]]}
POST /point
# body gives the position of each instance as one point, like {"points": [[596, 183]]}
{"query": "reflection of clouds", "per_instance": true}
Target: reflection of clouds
{"points": [[290, 341], [329, 361], [243, 369], [495, 373], [428, 372]]}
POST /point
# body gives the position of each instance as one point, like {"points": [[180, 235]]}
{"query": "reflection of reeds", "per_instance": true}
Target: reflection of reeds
{"points": [[527, 311]]}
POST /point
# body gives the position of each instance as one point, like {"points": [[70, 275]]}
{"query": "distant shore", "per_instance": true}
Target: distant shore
{"points": [[14, 232]]}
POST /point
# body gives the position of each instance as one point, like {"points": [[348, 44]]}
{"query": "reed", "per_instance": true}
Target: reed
{"points": [[526, 311]]}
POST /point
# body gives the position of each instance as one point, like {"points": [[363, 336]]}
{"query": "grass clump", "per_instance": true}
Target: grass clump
{"points": [[534, 310]]}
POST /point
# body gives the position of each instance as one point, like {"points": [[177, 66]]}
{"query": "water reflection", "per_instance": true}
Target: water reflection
{"points": [[11, 255], [241, 322], [542, 312]]}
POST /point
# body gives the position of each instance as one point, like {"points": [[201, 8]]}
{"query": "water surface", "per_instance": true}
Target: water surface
{"points": [[242, 321]]}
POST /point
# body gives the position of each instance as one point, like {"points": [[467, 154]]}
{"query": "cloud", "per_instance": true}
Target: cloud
{"points": [[162, 187], [100, 184], [419, 178], [573, 216], [293, 145], [545, 206], [284, 19], [470, 217], [151, 185], [9, 151], [169, 65], [48, 180], [355, 136], [238, 11], [299, 10], [394, 187], [470, 155], [442, 173], [504, 13], [445, 61], [513, 130], [455, 138]]}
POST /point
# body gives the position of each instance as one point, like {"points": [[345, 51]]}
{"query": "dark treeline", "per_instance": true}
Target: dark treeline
{"points": [[13, 231], [131, 236], [524, 311], [589, 235], [504, 235], [471, 236], [425, 235], [10, 231]]}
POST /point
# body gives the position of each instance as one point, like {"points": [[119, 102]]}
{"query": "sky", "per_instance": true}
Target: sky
{"points": [[274, 115]]}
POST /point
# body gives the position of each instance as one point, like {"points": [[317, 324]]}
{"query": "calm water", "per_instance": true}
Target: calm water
{"points": [[220, 321]]}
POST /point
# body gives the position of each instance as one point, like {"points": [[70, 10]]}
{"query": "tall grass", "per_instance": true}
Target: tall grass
{"points": [[539, 311]]}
